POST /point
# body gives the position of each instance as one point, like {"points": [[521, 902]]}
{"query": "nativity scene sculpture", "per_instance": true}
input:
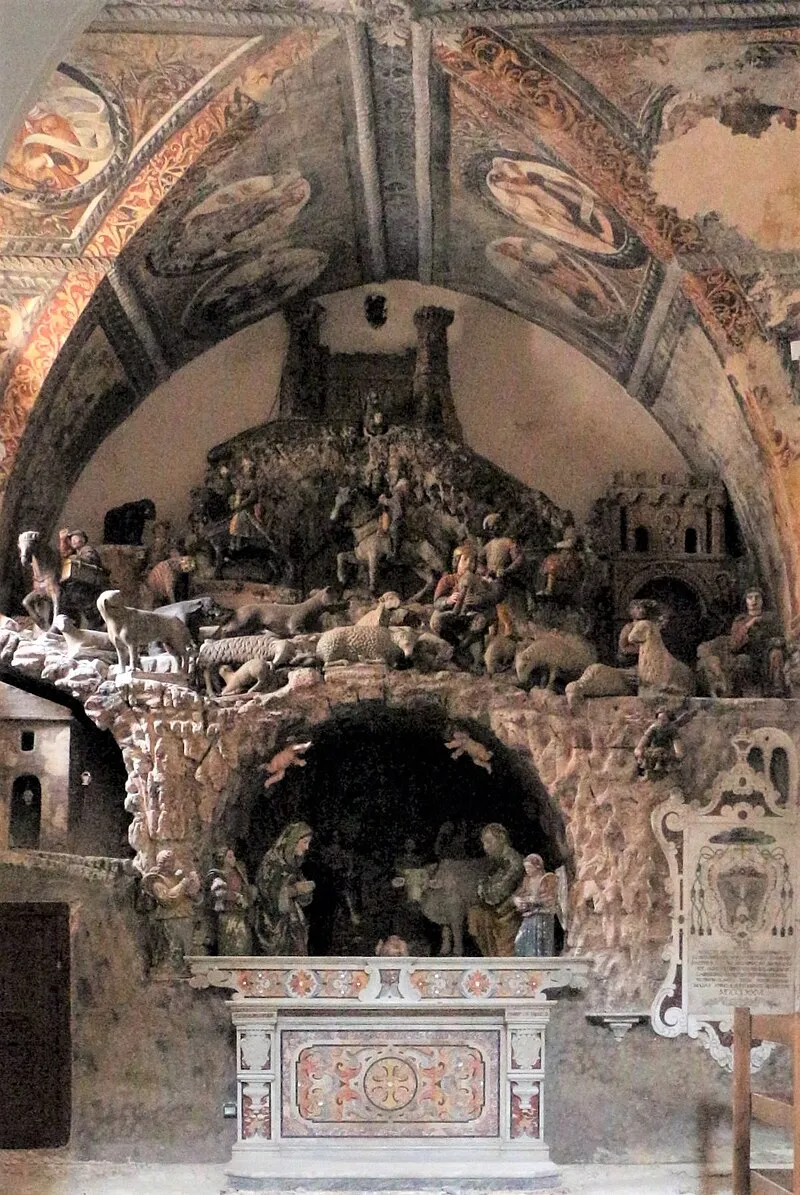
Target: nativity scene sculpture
{"points": [[338, 542]]}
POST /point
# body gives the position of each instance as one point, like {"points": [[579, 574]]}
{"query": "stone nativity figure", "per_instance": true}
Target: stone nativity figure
{"points": [[231, 898], [282, 893], [176, 895], [83, 577], [659, 750], [537, 902], [494, 920], [757, 643]]}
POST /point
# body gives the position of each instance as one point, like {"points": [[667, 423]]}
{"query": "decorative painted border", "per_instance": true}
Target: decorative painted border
{"points": [[352, 982]]}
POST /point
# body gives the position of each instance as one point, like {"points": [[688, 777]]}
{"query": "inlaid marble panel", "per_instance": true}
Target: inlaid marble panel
{"points": [[256, 1111], [526, 1110], [406, 1083]]}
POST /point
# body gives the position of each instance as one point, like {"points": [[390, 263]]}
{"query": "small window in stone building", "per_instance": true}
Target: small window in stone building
{"points": [[641, 540], [690, 540], [27, 740]]}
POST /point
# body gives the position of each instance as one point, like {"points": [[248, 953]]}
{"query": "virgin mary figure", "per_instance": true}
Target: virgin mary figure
{"points": [[283, 893]]}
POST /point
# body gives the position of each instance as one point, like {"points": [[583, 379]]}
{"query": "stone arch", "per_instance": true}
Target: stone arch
{"points": [[378, 785], [25, 813], [529, 95]]}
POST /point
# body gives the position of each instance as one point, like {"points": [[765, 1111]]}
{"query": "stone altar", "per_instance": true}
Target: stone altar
{"points": [[399, 1072]]}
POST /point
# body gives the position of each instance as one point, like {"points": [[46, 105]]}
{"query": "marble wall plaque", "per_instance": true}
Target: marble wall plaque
{"points": [[734, 874]]}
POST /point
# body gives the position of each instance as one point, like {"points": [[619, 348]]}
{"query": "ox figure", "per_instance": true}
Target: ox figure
{"points": [[445, 892]]}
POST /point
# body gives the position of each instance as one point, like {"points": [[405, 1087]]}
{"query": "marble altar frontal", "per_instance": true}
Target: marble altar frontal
{"points": [[402, 1072]]}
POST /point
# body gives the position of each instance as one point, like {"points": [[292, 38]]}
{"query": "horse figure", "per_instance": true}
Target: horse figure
{"points": [[42, 603], [370, 528]]}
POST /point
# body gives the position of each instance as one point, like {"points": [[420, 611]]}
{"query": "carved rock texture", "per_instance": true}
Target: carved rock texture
{"points": [[189, 757]]}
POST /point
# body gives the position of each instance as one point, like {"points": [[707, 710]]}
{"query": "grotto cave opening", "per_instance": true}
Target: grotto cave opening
{"points": [[383, 791]]}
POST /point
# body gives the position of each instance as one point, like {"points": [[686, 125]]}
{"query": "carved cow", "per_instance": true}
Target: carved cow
{"points": [[445, 892]]}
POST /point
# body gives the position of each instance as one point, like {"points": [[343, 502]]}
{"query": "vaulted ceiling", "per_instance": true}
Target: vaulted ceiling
{"points": [[626, 181]]}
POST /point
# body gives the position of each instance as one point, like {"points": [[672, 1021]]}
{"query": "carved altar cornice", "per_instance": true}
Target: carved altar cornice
{"points": [[359, 982]]}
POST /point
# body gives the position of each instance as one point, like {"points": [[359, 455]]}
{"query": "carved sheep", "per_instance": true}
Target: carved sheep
{"points": [[560, 655], [659, 672], [360, 644], [601, 680], [239, 649]]}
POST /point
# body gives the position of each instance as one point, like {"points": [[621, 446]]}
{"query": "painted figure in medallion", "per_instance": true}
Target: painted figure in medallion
{"points": [[283, 893], [494, 920]]}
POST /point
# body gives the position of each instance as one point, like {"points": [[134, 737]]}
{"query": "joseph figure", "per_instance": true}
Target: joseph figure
{"points": [[494, 920]]}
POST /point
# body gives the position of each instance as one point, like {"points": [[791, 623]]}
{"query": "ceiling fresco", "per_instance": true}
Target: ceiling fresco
{"points": [[601, 170], [534, 237], [275, 215]]}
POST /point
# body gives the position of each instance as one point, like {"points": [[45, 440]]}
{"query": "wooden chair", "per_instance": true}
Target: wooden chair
{"points": [[779, 1111]]}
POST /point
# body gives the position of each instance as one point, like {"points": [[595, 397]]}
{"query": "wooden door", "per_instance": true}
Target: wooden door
{"points": [[35, 1051]]}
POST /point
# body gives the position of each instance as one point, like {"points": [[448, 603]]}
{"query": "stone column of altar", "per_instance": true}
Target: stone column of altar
{"points": [[433, 397], [256, 1058], [525, 1072], [302, 390]]}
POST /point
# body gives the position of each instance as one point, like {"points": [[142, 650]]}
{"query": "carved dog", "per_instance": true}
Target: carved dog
{"points": [[196, 613], [284, 619], [251, 677], [130, 630], [80, 642], [238, 650]]}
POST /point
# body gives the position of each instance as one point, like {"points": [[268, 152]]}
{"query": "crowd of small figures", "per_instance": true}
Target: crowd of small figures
{"points": [[475, 617]]}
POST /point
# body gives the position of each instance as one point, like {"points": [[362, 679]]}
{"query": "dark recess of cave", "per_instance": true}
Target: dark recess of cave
{"points": [[377, 787]]}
